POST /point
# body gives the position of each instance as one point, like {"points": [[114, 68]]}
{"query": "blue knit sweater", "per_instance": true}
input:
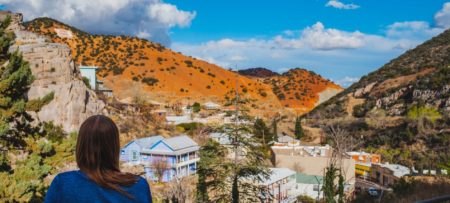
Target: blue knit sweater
{"points": [[74, 186]]}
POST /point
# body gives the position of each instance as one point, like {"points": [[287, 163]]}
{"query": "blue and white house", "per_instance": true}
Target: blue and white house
{"points": [[89, 73], [180, 153]]}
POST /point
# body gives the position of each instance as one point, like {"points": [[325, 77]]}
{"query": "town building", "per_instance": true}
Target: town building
{"points": [[309, 185], [89, 72], [102, 89], [286, 140], [211, 106], [279, 187], [311, 160], [388, 174], [179, 155], [363, 162]]}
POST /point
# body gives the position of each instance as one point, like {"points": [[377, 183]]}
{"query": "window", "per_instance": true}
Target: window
{"points": [[316, 187], [135, 155]]}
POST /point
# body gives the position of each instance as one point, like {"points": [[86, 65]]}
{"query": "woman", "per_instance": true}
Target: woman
{"points": [[99, 178]]}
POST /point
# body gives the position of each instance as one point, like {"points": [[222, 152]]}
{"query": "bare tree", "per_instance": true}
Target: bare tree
{"points": [[160, 166], [201, 134], [179, 189]]}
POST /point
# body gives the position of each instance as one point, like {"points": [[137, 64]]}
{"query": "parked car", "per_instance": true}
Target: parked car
{"points": [[372, 191]]}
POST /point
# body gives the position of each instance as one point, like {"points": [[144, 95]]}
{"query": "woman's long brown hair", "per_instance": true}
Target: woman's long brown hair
{"points": [[97, 154]]}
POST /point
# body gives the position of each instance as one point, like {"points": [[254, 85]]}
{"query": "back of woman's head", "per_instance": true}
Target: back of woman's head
{"points": [[97, 153]]}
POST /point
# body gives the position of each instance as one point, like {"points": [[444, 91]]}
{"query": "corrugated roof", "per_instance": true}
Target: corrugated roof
{"points": [[180, 142], [285, 139], [308, 179], [278, 174], [147, 142]]}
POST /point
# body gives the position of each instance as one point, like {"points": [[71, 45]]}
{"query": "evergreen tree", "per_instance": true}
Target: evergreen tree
{"points": [[34, 155], [228, 179], [15, 79], [298, 128], [330, 190], [275, 130], [211, 170], [262, 132]]}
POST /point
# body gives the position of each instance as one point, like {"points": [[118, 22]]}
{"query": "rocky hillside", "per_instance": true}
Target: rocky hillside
{"points": [[401, 110], [130, 63], [297, 88], [70, 102], [165, 75]]}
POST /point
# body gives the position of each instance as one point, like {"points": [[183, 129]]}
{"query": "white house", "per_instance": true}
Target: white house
{"points": [[180, 153], [211, 106], [279, 187], [89, 73], [309, 185]]}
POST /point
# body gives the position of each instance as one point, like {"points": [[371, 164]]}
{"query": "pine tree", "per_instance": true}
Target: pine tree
{"points": [[25, 181], [15, 79], [298, 128], [262, 132], [211, 170]]}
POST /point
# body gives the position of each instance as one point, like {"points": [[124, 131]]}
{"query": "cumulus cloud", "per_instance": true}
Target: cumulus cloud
{"points": [[169, 15], [339, 5], [442, 18], [328, 51], [317, 37], [151, 19]]}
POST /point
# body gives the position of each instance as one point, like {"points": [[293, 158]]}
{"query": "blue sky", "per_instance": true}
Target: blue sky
{"points": [[252, 18], [339, 39]]}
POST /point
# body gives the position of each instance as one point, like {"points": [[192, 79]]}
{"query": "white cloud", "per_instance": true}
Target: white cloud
{"points": [[331, 52], [339, 5], [346, 81], [170, 15], [412, 30], [442, 18], [145, 18]]}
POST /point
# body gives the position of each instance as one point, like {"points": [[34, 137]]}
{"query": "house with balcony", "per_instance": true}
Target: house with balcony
{"points": [[178, 154]]}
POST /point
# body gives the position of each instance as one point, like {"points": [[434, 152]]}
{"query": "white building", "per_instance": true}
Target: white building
{"points": [[89, 73], [279, 187], [211, 106], [309, 185]]}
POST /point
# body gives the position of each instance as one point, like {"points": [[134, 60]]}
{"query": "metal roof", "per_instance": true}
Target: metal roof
{"points": [[309, 179], [278, 174], [180, 142], [285, 139], [147, 142], [88, 67]]}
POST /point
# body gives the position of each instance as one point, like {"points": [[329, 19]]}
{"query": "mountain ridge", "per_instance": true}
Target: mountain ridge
{"points": [[130, 63]]}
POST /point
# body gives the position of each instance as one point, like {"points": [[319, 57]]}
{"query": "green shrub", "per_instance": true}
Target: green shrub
{"points": [[149, 81]]}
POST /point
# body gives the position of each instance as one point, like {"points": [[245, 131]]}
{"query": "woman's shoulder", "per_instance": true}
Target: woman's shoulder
{"points": [[141, 182], [69, 175]]}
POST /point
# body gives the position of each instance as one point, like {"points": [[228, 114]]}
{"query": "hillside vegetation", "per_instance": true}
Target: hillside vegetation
{"points": [[130, 61], [297, 88], [165, 75], [401, 110]]}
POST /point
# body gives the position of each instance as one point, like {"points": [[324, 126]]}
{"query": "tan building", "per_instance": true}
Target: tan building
{"points": [[388, 174], [310, 160]]}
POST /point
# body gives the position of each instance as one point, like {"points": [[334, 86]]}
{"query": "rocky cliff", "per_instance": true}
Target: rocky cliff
{"points": [[54, 71]]}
